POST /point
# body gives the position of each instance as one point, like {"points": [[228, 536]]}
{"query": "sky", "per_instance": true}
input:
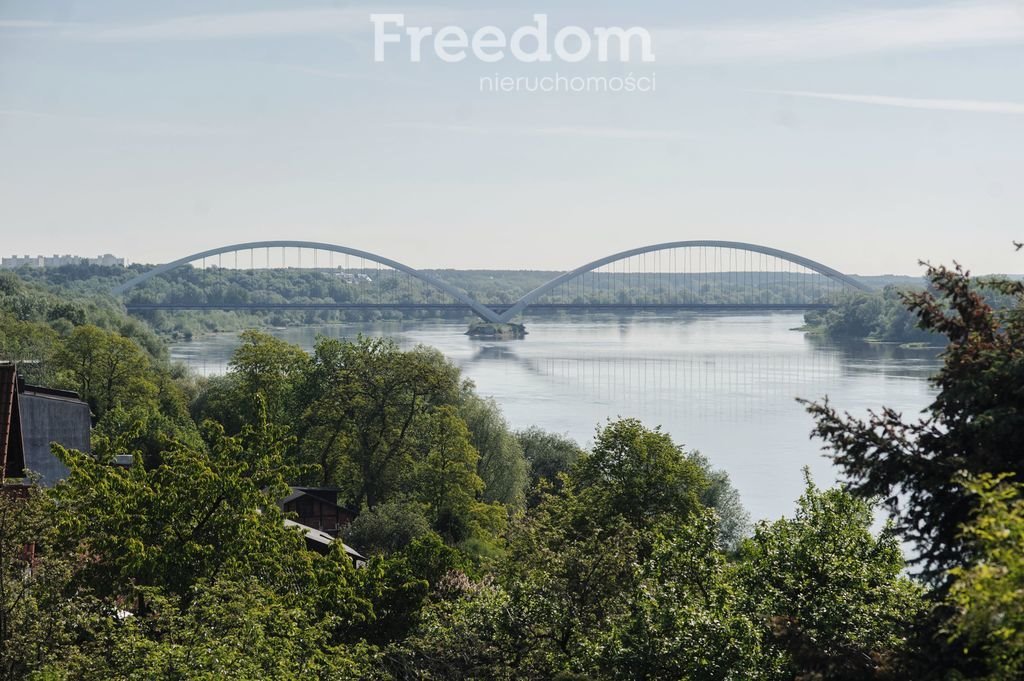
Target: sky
{"points": [[867, 135]]}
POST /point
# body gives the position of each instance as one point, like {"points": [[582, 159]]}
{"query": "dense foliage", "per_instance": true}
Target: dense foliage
{"points": [[972, 430], [33, 318], [621, 574], [495, 554], [986, 595], [878, 316], [974, 425], [244, 279], [885, 316], [813, 592]]}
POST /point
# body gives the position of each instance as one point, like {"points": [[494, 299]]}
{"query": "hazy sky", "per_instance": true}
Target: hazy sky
{"points": [[865, 134]]}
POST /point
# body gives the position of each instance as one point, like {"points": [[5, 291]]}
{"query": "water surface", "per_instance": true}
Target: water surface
{"points": [[723, 383]]}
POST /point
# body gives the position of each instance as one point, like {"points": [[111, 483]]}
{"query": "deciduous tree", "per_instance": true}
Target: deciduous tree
{"points": [[830, 595]]}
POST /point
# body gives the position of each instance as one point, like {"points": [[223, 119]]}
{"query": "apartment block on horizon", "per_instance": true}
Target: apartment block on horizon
{"points": [[45, 261]]}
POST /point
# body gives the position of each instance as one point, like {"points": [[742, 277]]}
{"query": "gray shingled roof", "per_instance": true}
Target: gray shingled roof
{"points": [[324, 539]]}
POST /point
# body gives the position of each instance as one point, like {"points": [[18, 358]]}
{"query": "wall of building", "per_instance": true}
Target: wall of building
{"points": [[46, 419]]}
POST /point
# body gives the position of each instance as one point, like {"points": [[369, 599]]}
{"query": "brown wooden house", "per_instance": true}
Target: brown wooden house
{"points": [[318, 507]]}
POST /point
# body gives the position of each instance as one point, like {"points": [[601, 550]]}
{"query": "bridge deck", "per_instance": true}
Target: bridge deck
{"points": [[499, 309], [725, 265]]}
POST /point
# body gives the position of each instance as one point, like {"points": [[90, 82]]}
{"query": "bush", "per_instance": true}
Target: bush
{"points": [[388, 527]]}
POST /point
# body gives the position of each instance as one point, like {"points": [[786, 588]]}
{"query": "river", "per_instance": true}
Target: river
{"points": [[725, 384]]}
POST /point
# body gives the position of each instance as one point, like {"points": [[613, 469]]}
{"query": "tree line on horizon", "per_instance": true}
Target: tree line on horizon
{"points": [[877, 315]]}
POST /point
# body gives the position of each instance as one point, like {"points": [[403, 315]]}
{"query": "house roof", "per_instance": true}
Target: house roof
{"points": [[318, 494], [292, 496], [53, 393], [323, 539]]}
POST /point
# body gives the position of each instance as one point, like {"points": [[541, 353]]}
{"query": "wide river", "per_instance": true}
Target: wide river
{"points": [[725, 384]]}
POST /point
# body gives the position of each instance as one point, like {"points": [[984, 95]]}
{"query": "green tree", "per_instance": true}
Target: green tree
{"points": [[637, 474], [388, 527], [362, 403], [78, 356], [830, 596], [201, 514], [107, 369], [447, 480], [266, 366], [32, 344], [733, 520], [33, 604], [547, 455], [974, 425], [187, 570], [218, 399], [464, 635], [986, 596], [565, 585], [877, 315], [146, 430], [229, 630], [685, 616], [616, 575], [501, 464]]}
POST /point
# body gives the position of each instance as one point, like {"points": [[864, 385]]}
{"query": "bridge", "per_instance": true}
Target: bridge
{"points": [[680, 275]]}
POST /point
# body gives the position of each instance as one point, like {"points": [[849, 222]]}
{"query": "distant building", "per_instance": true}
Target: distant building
{"points": [[320, 518], [31, 419], [318, 507], [16, 261], [350, 278], [45, 261], [62, 260], [108, 260]]}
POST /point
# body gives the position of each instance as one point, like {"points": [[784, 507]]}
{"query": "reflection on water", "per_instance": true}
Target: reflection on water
{"points": [[725, 384]]}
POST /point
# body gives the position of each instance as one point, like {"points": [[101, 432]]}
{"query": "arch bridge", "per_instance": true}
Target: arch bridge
{"points": [[698, 275]]}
